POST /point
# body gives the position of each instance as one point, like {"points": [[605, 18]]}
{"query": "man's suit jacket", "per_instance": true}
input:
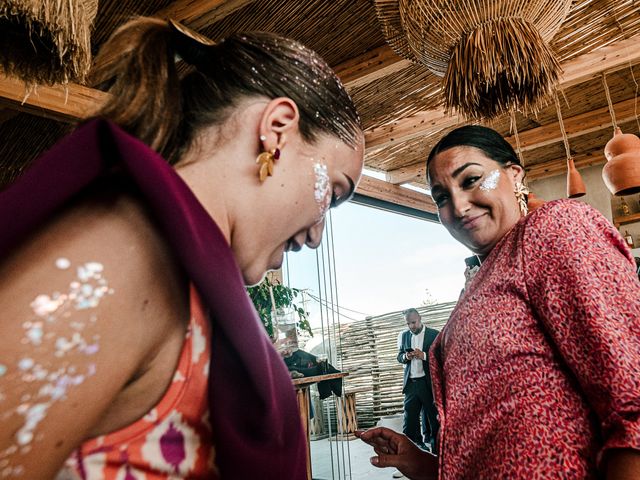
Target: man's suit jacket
{"points": [[429, 336]]}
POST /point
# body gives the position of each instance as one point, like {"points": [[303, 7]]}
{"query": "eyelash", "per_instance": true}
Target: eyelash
{"points": [[334, 200], [467, 183]]}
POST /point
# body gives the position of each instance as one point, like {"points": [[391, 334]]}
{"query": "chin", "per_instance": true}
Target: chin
{"points": [[251, 279]]}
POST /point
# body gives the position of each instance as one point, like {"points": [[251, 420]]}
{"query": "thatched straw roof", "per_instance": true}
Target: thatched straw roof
{"points": [[399, 102]]}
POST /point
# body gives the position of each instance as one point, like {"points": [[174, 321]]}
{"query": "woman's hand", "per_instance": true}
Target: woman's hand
{"points": [[396, 450]]}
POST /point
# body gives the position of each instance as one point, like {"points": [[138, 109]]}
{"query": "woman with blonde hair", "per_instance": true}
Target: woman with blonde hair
{"points": [[129, 346]]}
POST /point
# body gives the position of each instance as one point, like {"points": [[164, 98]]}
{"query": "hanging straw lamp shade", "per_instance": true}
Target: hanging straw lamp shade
{"points": [[46, 41], [494, 55], [621, 173]]}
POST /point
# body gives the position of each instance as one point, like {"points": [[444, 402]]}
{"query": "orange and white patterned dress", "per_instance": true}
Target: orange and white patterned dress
{"points": [[174, 439]]}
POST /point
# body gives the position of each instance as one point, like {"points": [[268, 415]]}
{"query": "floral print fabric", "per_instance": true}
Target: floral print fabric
{"points": [[537, 372], [174, 439]]}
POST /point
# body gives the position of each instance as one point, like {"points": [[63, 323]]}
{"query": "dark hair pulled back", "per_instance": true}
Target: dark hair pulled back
{"points": [[152, 102], [492, 144]]}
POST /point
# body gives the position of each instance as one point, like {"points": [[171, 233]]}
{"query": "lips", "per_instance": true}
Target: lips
{"points": [[469, 223]]}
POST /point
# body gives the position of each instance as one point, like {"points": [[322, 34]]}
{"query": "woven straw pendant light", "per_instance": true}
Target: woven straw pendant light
{"points": [[621, 173], [46, 41], [494, 55]]}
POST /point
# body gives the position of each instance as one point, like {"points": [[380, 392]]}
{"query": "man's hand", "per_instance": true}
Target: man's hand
{"points": [[396, 450], [417, 353]]}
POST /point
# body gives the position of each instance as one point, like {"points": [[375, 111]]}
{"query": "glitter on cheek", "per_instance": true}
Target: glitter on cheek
{"points": [[491, 181], [63, 263], [25, 364], [3, 369], [322, 188]]}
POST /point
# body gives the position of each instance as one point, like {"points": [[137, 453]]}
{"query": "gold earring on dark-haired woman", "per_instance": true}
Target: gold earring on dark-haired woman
{"points": [[266, 160], [521, 192]]}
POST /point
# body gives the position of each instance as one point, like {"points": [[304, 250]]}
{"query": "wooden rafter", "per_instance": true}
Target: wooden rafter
{"points": [[583, 124], [64, 103], [559, 166], [198, 14], [576, 126], [385, 191], [371, 66], [613, 57]]}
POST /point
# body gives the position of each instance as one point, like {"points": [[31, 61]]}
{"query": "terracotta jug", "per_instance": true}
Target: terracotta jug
{"points": [[575, 185], [534, 202], [621, 174]]}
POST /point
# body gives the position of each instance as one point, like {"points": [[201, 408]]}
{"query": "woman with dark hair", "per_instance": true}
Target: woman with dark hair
{"points": [[129, 346], [537, 372]]}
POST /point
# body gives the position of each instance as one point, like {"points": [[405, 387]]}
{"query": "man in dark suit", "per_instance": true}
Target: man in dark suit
{"points": [[413, 352]]}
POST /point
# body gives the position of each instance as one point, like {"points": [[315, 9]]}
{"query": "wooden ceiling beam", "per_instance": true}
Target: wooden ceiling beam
{"points": [[538, 137], [385, 191], [370, 66], [616, 56], [556, 167], [583, 124], [198, 14], [63, 103]]}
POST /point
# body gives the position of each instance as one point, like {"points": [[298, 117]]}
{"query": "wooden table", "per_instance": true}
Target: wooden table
{"points": [[302, 394]]}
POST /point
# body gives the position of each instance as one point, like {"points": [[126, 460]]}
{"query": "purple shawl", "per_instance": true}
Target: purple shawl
{"points": [[256, 424]]}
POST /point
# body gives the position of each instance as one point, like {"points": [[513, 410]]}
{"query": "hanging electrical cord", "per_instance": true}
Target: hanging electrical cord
{"points": [[312, 296], [335, 281]]}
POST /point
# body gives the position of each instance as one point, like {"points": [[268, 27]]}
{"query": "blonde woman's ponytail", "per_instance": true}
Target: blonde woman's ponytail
{"points": [[144, 83]]}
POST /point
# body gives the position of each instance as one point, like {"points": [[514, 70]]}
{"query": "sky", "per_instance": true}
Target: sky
{"points": [[384, 262]]}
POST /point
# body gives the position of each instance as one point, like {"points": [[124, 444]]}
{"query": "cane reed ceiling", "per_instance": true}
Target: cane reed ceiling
{"points": [[400, 103]]}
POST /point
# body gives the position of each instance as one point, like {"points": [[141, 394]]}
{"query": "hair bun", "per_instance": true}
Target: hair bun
{"points": [[190, 45]]}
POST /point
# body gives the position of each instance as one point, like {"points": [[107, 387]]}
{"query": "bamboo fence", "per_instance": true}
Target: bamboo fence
{"points": [[369, 350]]}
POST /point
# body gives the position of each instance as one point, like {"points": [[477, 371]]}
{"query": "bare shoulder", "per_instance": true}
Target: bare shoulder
{"points": [[78, 298]]}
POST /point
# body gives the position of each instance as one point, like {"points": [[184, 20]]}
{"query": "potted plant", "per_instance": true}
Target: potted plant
{"points": [[283, 297]]}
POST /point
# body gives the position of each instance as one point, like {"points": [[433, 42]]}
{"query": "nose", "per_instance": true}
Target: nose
{"points": [[460, 203], [314, 234]]}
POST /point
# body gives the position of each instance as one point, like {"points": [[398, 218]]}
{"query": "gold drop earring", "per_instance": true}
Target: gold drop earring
{"points": [[266, 160]]}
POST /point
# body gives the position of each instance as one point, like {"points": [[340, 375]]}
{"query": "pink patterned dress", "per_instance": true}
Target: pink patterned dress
{"points": [[174, 439], [537, 372]]}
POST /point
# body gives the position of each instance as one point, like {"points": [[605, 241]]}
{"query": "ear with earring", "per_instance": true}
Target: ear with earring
{"points": [[521, 191], [266, 160]]}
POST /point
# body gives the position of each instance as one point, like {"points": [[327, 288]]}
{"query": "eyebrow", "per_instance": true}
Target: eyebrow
{"points": [[455, 173], [459, 170]]}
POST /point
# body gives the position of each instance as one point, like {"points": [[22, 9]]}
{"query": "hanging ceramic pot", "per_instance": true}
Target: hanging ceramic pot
{"points": [[534, 202], [621, 174], [575, 185]]}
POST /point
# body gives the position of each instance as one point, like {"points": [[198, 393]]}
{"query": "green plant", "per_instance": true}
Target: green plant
{"points": [[283, 297]]}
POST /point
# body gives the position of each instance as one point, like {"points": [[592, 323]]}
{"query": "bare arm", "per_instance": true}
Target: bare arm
{"points": [[74, 333]]}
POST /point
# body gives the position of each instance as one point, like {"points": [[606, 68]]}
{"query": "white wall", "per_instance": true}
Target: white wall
{"points": [[598, 196]]}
